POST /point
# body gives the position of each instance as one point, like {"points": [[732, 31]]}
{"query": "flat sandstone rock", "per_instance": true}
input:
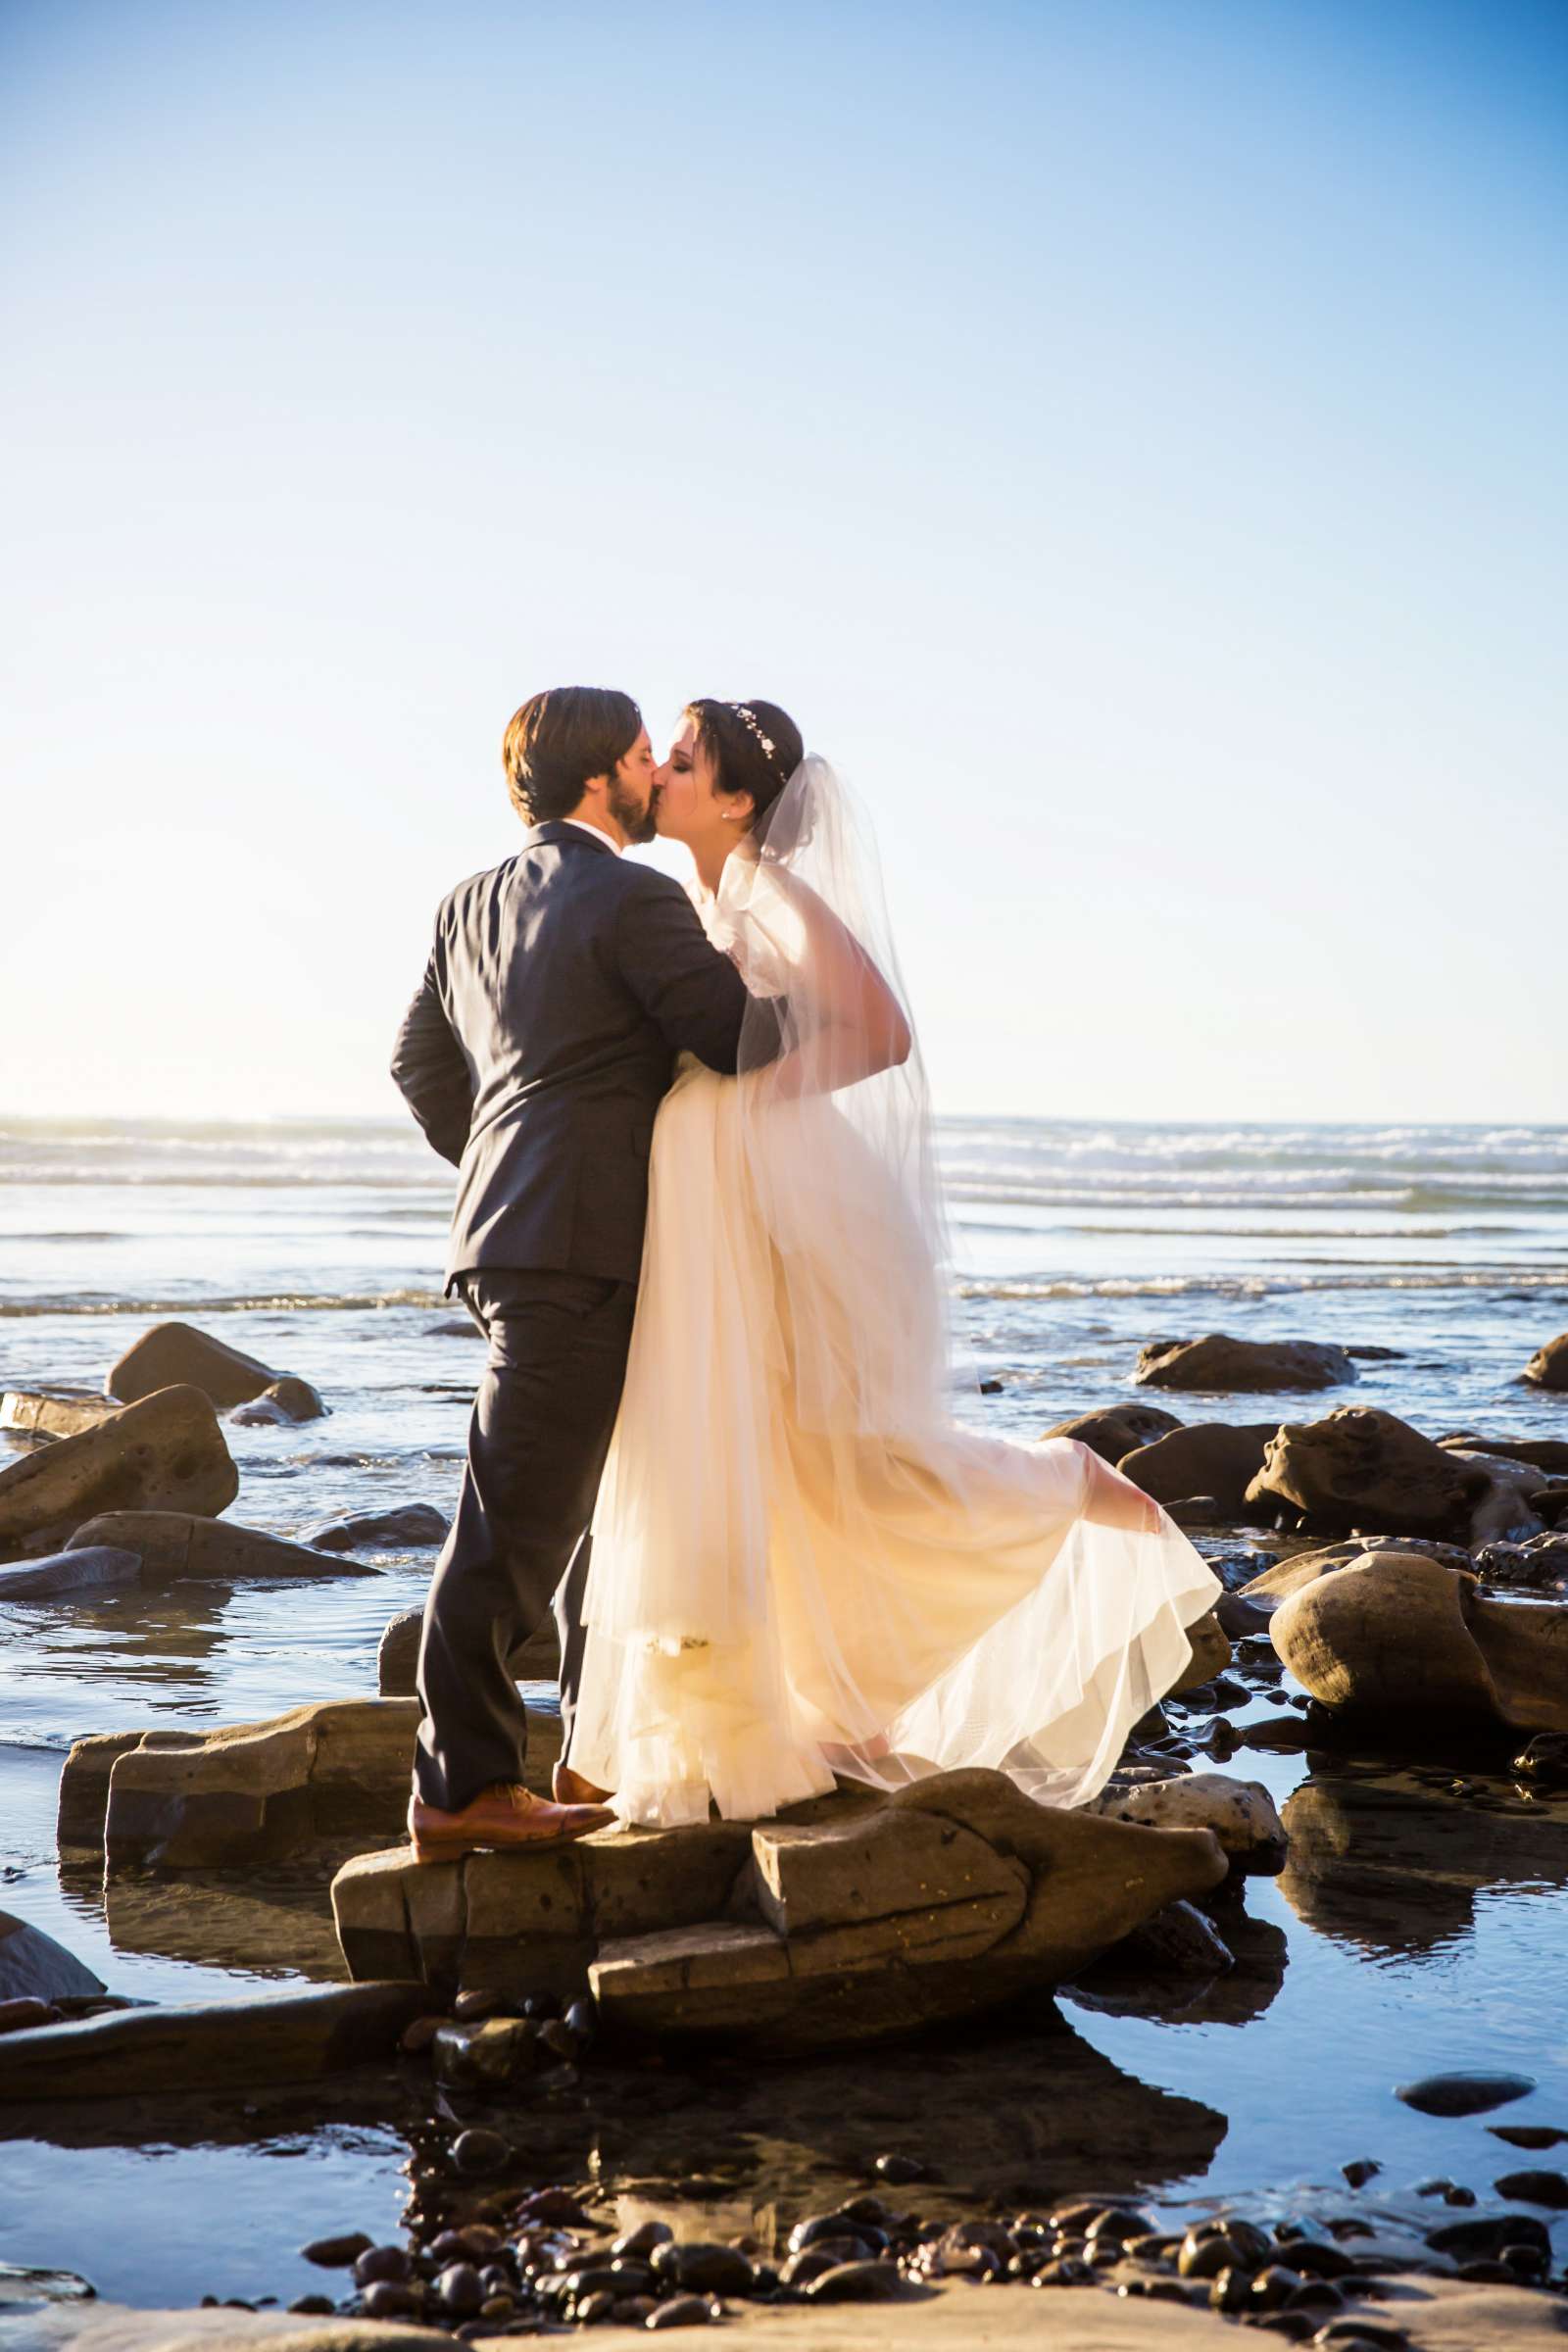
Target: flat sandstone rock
{"points": [[214, 2045], [166, 1453], [855, 1919], [49, 1415], [316, 1780]]}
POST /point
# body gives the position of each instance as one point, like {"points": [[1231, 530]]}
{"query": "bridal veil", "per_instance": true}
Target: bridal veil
{"points": [[803, 1566]]}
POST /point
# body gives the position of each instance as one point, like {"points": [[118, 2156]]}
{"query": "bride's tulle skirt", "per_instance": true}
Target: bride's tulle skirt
{"points": [[802, 1565]]}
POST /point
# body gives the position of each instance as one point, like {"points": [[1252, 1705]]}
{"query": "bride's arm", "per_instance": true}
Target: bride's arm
{"points": [[850, 1023]]}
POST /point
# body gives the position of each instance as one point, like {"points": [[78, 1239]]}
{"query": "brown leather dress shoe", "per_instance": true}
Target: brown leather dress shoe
{"points": [[568, 1787], [501, 1816]]}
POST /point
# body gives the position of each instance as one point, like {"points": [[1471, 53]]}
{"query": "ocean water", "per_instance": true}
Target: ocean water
{"points": [[317, 1246]]}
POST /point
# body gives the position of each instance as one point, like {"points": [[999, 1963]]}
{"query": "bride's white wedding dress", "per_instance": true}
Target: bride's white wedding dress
{"points": [[802, 1566]]}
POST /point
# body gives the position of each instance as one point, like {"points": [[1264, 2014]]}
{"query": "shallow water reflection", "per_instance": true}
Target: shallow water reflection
{"points": [[1394, 1866]]}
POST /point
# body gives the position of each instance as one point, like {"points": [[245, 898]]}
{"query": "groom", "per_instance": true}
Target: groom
{"points": [[561, 987]]}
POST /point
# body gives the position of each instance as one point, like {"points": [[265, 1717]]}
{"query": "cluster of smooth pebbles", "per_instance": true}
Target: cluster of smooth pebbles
{"points": [[520, 2266], [487, 2262]]}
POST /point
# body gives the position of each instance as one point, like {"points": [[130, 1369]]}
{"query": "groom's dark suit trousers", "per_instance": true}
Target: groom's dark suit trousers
{"points": [[537, 1442]]}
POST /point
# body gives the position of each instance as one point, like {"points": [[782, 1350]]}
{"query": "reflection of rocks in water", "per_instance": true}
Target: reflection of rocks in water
{"points": [[1128, 1983], [1391, 1862], [1019, 2113], [170, 1639], [265, 1923]]}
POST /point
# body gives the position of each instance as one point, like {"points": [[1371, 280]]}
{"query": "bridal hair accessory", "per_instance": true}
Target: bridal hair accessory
{"points": [[750, 719]]}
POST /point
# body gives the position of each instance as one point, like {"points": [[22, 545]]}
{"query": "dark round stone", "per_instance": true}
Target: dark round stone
{"points": [[582, 2018], [1360, 2169], [381, 2263], [557, 2208], [685, 2310], [812, 2262], [1485, 2236], [478, 2150], [1204, 2256], [1063, 2272], [899, 2170], [1118, 2223], [1536, 2189], [1320, 2258], [702, 2269], [1463, 2094], [1230, 2290], [336, 2253], [858, 2283], [481, 2001], [313, 2307], [459, 2289], [392, 2299], [836, 2227], [639, 2243]]}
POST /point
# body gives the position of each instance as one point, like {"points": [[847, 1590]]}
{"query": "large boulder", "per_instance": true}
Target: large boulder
{"points": [[54, 1414], [318, 1779], [1208, 1457], [1361, 1471], [166, 1453], [1548, 1366], [1216, 1361], [178, 1355], [34, 1968], [398, 1657], [1394, 1635], [179, 1546], [1117, 1429], [210, 2045]]}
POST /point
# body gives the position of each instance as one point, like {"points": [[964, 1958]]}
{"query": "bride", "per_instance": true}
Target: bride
{"points": [[803, 1565]]}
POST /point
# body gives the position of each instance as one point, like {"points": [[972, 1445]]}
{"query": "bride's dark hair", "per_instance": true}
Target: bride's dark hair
{"points": [[755, 747]]}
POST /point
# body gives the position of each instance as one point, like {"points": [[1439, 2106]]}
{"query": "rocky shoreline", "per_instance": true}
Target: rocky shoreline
{"points": [[1414, 1590]]}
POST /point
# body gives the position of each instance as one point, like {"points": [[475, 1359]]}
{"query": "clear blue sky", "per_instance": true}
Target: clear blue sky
{"points": [[1127, 434]]}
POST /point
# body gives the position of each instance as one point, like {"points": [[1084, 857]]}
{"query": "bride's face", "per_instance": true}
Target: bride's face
{"points": [[691, 807]]}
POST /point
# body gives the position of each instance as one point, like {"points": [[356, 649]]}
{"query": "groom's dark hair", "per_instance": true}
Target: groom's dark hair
{"points": [[561, 738]]}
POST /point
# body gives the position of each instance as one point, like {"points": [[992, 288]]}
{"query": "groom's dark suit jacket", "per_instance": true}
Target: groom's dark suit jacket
{"points": [[561, 987]]}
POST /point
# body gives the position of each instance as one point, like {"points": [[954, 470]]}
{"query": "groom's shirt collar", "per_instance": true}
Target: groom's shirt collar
{"points": [[594, 832]]}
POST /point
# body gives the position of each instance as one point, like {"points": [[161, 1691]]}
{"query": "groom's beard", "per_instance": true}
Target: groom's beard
{"points": [[638, 824]]}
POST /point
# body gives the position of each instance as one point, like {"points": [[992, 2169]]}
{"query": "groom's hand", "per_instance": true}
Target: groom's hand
{"points": [[431, 1070]]}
